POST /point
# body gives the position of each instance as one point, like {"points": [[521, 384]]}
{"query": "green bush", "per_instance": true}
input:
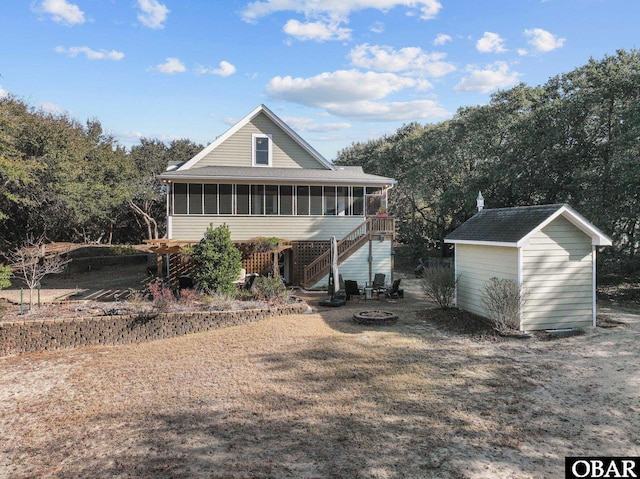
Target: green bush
{"points": [[270, 288], [217, 262], [439, 285], [5, 274]]}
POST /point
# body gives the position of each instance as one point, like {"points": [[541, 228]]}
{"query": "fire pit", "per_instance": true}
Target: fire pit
{"points": [[375, 317]]}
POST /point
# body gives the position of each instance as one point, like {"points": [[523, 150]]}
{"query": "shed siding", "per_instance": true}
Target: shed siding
{"points": [[301, 228], [478, 264], [356, 266], [558, 278], [236, 150]]}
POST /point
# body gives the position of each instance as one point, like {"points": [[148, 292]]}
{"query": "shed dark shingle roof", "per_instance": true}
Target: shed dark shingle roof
{"points": [[503, 225]]}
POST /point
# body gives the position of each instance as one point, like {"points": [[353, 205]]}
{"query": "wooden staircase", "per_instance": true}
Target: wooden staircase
{"points": [[348, 245]]}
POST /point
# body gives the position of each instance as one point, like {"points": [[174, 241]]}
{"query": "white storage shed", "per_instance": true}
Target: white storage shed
{"points": [[549, 250]]}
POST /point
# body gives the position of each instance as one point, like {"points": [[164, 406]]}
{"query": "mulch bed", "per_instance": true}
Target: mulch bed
{"points": [[456, 321]]}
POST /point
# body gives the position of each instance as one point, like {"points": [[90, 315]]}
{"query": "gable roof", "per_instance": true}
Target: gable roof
{"points": [[341, 174], [515, 226], [273, 117]]}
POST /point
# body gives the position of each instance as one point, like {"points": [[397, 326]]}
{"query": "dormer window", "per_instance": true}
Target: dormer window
{"points": [[261, 150]]}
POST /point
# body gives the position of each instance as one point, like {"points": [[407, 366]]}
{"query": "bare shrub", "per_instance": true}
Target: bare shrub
{"points": [[503, 299], [162, 296], [439, 285]]}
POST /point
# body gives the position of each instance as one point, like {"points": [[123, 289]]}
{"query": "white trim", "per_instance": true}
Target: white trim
{"points": [[593, 273], [520, 286], [254, 137], [455, 276], [169, 227], [231, 131], [598, 238], [482, 243]]}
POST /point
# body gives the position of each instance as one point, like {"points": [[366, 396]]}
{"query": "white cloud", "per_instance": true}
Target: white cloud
{"points": [[335, 8], [441, 39], [490, 43], [389, 111], [342, 86], [91, 54], [170, 66], [523, 52], [224, 69], [494, 76], [3, 92], [318, 31], [61, 11], [152, 14], [377, 27], [408, 59], [306, 125], [53, 108], [542, 40]]}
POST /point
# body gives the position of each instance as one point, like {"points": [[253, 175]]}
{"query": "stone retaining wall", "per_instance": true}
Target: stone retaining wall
{"points": [[27, 336]]}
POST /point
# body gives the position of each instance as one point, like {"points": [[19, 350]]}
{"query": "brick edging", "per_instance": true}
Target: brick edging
{"points": [[18, 337]]}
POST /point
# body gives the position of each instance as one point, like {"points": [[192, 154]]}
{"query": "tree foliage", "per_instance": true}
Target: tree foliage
{"points": [[217, 262], [74, 182], [575, 139]]}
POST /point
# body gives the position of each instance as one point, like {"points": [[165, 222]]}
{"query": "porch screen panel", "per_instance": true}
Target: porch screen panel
{"points": [[257, 199], [271, 199], [226, 199], [210, 199], [242, 199], [315, 194], [357, 204], [195, 199], [303, 200], [329, 200], [343, 201], [180, 198], [286, 200]]}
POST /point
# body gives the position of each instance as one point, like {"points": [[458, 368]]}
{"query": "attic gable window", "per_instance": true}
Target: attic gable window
{"points": [[261, 150]]}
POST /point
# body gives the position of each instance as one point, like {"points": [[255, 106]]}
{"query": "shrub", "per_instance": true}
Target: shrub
{"points": [[5, 274], [503, 299], [217, 262], [270, 288], [439, 285], [161, 295]]}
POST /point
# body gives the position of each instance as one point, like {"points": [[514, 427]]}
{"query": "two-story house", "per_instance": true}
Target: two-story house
{"points": [[263, 180]]}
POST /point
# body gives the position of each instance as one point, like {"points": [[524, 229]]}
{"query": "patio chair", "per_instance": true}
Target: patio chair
{"points": [[394, 291], [378, 283], [351, 288]]}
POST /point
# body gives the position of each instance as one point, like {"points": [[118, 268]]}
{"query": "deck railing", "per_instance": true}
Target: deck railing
{"points": [[347, 246]]}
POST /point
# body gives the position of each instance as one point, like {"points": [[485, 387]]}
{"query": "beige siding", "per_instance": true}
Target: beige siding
{"points": [[236, 150], [478, 264], [310, 228], [557, 276], [356, 266]]}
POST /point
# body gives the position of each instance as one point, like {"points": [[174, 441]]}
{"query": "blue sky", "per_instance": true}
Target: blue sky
{"points": [[337, 71]]}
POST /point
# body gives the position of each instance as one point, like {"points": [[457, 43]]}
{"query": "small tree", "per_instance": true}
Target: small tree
{"points": [[31, 264], [217, 262], [439, 285], [503, 299]]}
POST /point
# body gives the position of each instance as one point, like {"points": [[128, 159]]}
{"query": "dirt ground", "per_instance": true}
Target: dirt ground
{"points": [[318, 396]]}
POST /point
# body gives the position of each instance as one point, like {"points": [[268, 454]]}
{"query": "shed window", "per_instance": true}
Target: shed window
{"points": [[210, 199], [195, 199], [261, 150], [303, 200], [242, 199], [316, 200], [286, 200]]}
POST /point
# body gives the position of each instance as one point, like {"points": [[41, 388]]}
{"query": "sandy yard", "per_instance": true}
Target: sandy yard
{"points": [[318, 396]]}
